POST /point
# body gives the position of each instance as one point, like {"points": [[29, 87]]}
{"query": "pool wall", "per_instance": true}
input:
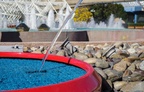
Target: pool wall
{"points": [[90, 35]]}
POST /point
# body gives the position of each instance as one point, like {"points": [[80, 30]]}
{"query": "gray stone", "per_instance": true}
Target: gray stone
{"points": [[41, 48], [135, 45], [25, 49], [141, 66], [127, 73], [134, 77], [33, 48], [36, 51], [124, 53], [129, 86], [119, 84], [98, 54], [101, 63], [113, 75], [61, 53], [91, 61], [141, 55], [131, 50], [132, 67], [139, 87], [126, 46], [101, 72], [110, 83], [116, 55], [120, 66], [80, 56]]}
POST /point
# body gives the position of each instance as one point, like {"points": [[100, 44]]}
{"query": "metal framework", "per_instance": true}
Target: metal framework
{"points": [[133, 4], [12, 10]]}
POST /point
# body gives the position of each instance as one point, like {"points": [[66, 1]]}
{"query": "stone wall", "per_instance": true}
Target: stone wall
{"points": [[94, 35]]}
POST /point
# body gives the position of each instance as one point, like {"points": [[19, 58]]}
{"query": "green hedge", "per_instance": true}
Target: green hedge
{"points": [[137, 24]]}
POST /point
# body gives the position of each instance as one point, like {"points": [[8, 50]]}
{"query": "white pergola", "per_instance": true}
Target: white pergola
{"points": [[15, 9]]}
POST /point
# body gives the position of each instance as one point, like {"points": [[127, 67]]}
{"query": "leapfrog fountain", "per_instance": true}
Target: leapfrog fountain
{"points": [[29, 72]]}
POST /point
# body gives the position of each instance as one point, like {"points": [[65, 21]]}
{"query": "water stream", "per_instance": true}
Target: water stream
{"points": [[58, 34]]}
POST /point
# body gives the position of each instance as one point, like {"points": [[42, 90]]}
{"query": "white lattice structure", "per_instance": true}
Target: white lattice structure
{"points": [[134, 3], [12, 10]]}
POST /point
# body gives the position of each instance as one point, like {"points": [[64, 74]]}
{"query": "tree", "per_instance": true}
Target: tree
{"points": [[102, 11], [82, 14]]}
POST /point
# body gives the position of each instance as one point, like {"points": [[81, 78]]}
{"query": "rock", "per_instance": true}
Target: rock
{"points": [[110, 83], [142, 59], [33, 48], [91, 61], [142, 47], [90, 55], [119, 84], [36, 51], [128, 86], [98, 54], [101, 72], [89, 48], [137, 63], [139, 71], [44, 52], [131, 59], [134, 77], [127, 73], [139, 87], [118, 44], [109, 51], [135, 45], [141, 66], [141, 55], [132, 67], [61, 53], [124, 53], [80, 56], [106, 46], [96, 49], [116, 55], [101, 63], [25, 49], [131, 50], [80, 49], [120, 66], [126, 46], [113, 75], [100, 46], [41, 48], [115, 60]]}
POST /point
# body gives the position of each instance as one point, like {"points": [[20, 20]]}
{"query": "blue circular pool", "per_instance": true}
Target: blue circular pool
{"points": [[24, 73]]}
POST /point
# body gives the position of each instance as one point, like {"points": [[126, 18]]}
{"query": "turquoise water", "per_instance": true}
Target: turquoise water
{"points": [[24, 73], [8, 30], [72, 29]]}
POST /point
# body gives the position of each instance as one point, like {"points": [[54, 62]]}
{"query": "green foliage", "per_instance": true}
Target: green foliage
{"points": [[137, 24], [82, 14], [102, 11]]}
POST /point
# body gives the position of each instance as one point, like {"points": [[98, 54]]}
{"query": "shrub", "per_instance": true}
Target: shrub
{"points": [[82, 14]]}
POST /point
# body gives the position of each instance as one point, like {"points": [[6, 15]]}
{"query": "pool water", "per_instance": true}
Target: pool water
{"points": [[24, 73]]}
